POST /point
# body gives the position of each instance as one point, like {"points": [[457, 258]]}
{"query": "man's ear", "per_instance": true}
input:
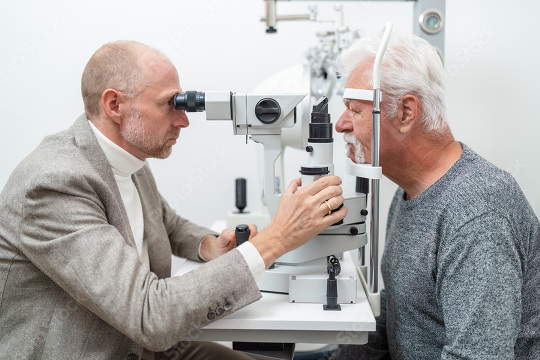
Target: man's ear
{"points": [[110, 103], [409, 113]]}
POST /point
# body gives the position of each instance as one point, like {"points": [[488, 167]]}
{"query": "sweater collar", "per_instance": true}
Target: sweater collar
{"points": [[121, 161]]}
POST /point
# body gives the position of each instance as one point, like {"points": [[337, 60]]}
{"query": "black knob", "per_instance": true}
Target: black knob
{"points": [[242, 234], [331, 293], [362, 185], [353, 230], [363, 212], [240, 193], [267, 111]]}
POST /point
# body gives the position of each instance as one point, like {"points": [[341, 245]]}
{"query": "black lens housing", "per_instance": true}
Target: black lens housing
{"points": [[320, 127], [190, 101]]}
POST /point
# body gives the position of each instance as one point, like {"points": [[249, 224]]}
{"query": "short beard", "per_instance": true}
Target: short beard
{"points": [[359, 156], [136, 134]]}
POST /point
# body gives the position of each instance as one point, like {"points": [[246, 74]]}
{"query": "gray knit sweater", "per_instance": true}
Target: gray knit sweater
{"points": [[461, 269]]}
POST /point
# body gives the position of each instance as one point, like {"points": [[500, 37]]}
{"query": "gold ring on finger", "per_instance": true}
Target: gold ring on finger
{"points": [[329, 208]]}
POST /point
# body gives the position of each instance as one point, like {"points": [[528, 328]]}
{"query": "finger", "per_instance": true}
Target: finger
{"points": [[227, 236], [332, 204], [293, 185], [321, 184], [252, 230], [336, 202], [231, 244], [327, 194], [326, 208], [335, 216]]}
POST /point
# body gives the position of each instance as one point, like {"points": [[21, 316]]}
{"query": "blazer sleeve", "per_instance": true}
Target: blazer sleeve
{"points": [[184, 236], [65, 232]]}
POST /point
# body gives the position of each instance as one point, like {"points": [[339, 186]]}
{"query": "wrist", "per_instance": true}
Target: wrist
{"points": [[269, 244], [204, 248]]}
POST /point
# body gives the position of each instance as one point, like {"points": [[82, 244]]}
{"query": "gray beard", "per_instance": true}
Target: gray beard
{"points": [[137, 135], [359, 156]]}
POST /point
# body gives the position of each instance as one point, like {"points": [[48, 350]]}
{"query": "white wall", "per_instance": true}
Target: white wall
{"points": [[491, 54]]}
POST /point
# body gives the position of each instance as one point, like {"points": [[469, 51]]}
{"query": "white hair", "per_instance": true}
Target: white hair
{"points": [[410, 66]]}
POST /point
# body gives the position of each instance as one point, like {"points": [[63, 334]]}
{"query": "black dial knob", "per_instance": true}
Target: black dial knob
{"points": [[267, 111]]}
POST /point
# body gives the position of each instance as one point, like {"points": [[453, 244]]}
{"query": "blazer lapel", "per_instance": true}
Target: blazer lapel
{"points": [[89, 146], [159, 247]]}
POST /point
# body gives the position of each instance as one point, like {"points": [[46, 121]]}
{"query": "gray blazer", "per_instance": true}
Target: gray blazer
{"points": [[71, 282]]}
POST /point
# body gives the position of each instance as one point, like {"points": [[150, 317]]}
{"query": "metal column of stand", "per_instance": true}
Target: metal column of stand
{"points": [[375, 183]]}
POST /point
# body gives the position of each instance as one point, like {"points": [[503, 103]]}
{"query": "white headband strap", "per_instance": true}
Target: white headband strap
{"points": [[358, 94]]}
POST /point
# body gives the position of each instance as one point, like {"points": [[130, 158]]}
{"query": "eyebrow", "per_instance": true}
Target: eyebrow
{"points": [[167, 96], [349, 102]]}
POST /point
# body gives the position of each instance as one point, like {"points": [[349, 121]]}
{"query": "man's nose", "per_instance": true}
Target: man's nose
{"points": [[180, 119], [344, 123]]}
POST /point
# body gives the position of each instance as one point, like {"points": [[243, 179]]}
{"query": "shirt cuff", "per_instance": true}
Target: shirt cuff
{"points": [[253, 259], [199, 251]]}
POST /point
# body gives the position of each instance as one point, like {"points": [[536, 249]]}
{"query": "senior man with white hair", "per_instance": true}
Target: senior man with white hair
{"points": [[461, 265]]}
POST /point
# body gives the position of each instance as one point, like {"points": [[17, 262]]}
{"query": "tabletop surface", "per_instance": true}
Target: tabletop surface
{"points": [[274, 317]]}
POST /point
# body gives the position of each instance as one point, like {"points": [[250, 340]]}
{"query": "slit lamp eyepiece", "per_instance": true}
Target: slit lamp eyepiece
{"points": [[190, 101]]}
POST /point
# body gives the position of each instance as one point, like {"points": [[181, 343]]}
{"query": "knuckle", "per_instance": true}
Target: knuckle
{"points": [[325, 180]]}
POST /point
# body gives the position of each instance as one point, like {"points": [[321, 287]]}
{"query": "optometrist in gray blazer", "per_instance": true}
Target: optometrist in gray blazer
{"points": [[85, 248]]}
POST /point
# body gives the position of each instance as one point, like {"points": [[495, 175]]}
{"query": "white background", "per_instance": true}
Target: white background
{"points": [[491, 56]]}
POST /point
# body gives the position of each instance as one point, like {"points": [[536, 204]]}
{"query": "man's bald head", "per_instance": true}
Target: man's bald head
{"points": [[116, 65]]}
